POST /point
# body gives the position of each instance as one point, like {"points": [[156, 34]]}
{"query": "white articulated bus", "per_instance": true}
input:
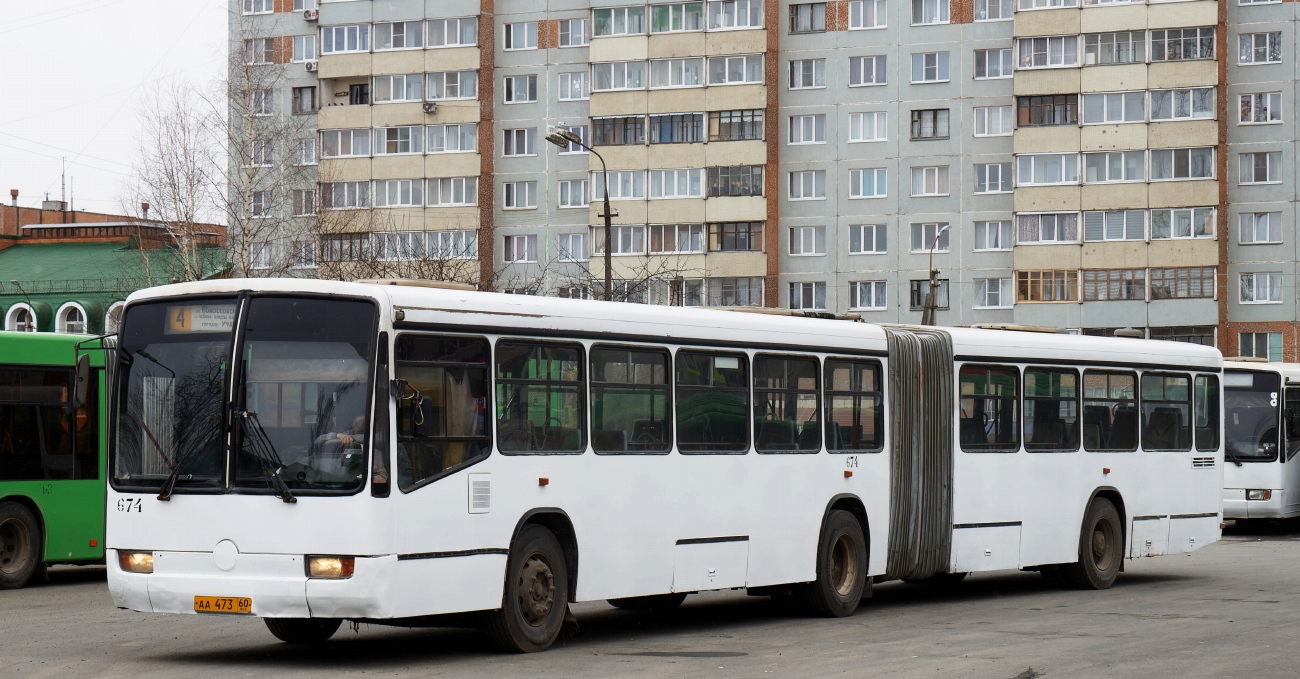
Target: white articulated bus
{"points": [[1261, 405], [311, 452]]}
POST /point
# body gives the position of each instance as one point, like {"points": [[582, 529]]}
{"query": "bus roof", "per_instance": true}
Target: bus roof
{"points": [[41, 348], [1290, 371]]}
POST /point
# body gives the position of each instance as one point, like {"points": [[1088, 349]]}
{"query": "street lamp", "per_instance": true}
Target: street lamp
{"points": [[927, 316], [563, 137]]}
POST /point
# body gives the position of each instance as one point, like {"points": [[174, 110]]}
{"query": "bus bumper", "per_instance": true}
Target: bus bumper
{"points": [[1236, 506]]}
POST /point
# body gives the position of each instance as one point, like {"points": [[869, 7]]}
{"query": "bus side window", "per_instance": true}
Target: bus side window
{"points": [[1207, 413], [1292, 419], [785, 405], [855, 417], [990, 409], [712, 402], [541, 394], [452, 374], [1166, 412], [630, 400], [1051, 409], [1110, 415], [36, 439]]}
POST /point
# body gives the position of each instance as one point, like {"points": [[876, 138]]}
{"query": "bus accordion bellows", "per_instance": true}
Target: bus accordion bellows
{"points": [[1261, 405], [311, 452]]}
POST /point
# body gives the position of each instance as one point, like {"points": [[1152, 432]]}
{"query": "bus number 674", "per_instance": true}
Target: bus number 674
{"points": [[129, 504]]}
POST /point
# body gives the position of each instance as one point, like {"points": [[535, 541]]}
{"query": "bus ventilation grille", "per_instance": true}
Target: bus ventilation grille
{"points": [[1202, 463], [480, 493]]}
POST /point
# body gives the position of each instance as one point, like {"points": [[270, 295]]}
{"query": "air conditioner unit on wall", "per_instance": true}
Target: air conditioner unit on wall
{"points": [[311, 14], [311, 65], [430, 107]]}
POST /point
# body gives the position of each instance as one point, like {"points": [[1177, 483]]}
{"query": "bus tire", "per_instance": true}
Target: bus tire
{"points": [[302, 631], [21, 545], [654, 602], [841, 569], [536, 594], [1101, 548]]}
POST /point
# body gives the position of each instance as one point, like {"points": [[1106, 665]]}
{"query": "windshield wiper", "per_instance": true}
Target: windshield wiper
{"points": [[1227, 452], [262, 448]]}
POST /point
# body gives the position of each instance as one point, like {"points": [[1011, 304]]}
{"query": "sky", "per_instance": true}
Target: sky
{"points": [[74, 72]]}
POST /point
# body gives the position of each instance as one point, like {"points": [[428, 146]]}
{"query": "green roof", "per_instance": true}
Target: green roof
{"points": [[100, 268]]}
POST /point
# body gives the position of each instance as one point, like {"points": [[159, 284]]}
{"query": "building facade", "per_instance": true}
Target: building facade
{"points": [[1082, 164]]}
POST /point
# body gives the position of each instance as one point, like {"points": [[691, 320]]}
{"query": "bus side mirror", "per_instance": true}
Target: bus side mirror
{"points": [[82, 384]]}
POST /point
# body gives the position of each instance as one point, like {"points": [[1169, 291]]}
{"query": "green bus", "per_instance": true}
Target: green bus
{"points": [[53, 392]]}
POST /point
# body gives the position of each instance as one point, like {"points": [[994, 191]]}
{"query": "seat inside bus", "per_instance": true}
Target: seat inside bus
{"points": [[1164, 428]]}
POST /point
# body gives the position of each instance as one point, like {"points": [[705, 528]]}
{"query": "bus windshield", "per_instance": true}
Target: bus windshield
{"points": [[1251, 401]]}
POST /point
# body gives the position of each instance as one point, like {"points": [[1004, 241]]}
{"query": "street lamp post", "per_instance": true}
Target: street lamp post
{"points": [[927, 316], [563, 137]]}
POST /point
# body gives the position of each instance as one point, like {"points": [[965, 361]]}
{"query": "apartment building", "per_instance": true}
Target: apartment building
{"points": [[1083, 164]]}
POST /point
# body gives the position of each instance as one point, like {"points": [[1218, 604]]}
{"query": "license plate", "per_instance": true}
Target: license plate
{"points": [[223, 604]]}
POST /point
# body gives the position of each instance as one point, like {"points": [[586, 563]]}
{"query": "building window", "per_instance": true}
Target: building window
{"points": [[1047, 4], [868, 239], [868, 183], [807, 240], [520, 195], [304, 48], [573, 193], [865, 14], [338, 39], [259, 51], [1051, 109], [1185, 104], [1049, 52], [299, 5], [809, 129], [522, 142], [669, 73], [993, 293], [629, 239], [453, 85], [866, 71], [1115, 107], [1261, 288], [677, 128], [304, 152], [676, 238], [739, 180], [1047, 168], [261, 102], [807, 74], [735, 125], [1110, 285], [618, 21], [259, 6], [993, 178], [930, 124], [1059, 227], [1182, 223], [686, 16], [992, 64], [868, 295], [457, 138], [399, 88], [259, 256], [808, 185], [917, 291], [1182, 44], [808, 17], [399, 193], [304, 100], [399, 35], [304, 202], [623, 184], [1261, 107], [1191, 334], [392, 140], [724, 14], [1183, 283], [573, 32], [930, 67], [1114, 166], [930, 181], [1195, 163], [677, 183], [929, 12], [736, 237], [872, 126], [622, 131], [573, 247], [520, 36], [520, 248], [302, 254], [394, 246], [346, 195], [618, 75], [810, 296], [71, 319], [573, 86], [1125, 47], [261, 153], [462, 32], [993, 121], [930, 237], [460, 244], [735, 291], [1047, 286], [993, 10], [736, 70], [1265, 345], [345, 247], [1260, 48], [1261, 227], [1261, 168], [993, 236], [583, 134], [453, 191], [20, 319], [1114, 225], [520, 89]]}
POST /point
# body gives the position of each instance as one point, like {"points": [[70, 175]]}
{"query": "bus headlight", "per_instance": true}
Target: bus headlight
{"points": [[330, 567], [1259, 495], [135, 562]]}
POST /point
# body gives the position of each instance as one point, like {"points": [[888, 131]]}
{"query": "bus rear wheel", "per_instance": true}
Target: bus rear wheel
{"points": [[20, 545], [302, 631], [1101, 548], [654, 602], [841, 569], [536, 594]]}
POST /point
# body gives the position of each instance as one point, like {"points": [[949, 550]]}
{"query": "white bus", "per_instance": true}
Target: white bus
{"points": [[1261, 403], [311, 452]]}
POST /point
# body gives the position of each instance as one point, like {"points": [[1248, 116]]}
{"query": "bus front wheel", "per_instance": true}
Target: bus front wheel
{"points": [[1101, 548], [841, 569], [20, 545], [536, 594], [302, 630]]}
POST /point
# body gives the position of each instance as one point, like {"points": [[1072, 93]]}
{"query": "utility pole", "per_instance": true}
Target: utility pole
{"points": [[563, 137], [927, 315]]}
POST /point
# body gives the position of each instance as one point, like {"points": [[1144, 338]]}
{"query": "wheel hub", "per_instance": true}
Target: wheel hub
{"points": [[15, 543], [1102, 546], [844, 566], [536, 590]]}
